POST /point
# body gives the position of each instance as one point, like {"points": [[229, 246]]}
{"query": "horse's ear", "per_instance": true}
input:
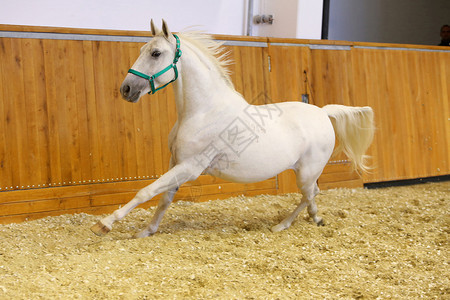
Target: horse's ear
{"points": [[155, 30], [165, 30]]}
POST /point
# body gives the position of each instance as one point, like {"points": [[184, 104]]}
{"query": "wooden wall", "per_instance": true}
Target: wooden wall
{"points": [[408, 86], [68, 143]]}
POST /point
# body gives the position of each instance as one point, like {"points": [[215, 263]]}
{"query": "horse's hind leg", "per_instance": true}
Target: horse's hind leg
{"points": [[163, 205], [288, 221], [312, 208], [309, 190]]}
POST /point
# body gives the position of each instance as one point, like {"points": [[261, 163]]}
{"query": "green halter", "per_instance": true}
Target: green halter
{"points": [[152, 78]]}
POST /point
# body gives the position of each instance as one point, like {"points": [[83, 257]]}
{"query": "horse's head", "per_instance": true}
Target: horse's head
{"points": [[155, 66]]}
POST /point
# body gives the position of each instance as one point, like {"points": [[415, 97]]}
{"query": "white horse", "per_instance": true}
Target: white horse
{"points": [[218, 133]]}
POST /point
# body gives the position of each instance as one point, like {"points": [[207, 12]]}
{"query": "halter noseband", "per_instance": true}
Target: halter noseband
{"points": [[152, 78]]}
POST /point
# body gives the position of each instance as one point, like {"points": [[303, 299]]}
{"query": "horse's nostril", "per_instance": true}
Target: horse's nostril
{"points": [[125, 90]]}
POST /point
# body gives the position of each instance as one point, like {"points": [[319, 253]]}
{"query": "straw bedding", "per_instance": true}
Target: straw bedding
{"points": [[383, 243]]}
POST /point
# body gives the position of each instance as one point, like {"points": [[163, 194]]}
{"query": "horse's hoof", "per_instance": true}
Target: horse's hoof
{"points": [[100, 229], [278, 228], [321, 223], [140, 235]]}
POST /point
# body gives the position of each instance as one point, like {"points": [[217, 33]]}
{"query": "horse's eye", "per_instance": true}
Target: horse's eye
{"points": [[156, 53]]}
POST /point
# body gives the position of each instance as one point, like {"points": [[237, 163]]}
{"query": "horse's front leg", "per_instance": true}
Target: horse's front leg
{"points": [[170, 181]]}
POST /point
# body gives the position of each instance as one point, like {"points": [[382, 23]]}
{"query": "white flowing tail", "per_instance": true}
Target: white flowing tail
{"points": [[354, 129]]}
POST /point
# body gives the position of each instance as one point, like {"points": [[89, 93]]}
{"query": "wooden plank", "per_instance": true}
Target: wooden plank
{"points": [[117, 107], [331, 78], [103, 157], [355, 183], [16, 117], [60, 103], [76, 191], [337, 168], [29, 207], [445, 95], [46, 205], [41, 110], [51, 60], [287, 72], [396, 114], [75, 124], [83, 138], [93, 135], [111, 199], [437, 147], [28, 112], [6, 133], [79, 202], [407, 95], [125, 116], [339, 176], [379, 101], [33, 216], [105, 109]]}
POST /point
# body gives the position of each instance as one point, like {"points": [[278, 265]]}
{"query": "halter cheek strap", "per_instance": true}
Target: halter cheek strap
{"points": [[152, 78]]}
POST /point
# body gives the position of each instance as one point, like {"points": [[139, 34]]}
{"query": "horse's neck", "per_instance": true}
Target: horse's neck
{"points": [[202, 88]]}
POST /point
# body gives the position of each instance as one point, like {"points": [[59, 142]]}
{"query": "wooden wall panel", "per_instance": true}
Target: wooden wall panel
{"points": [[405, 89], [6, 138], [444, 75], [289, 72]]}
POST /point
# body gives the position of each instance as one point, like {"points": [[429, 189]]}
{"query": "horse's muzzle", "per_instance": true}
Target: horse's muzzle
{"points": [[125, 91], [131, 89]]}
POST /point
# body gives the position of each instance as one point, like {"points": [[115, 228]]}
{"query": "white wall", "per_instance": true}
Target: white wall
{"points": [[388, 21], [218, 16], [293, 18], [309, 24]]}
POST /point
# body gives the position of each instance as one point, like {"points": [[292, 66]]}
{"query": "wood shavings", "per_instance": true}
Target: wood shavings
{"points": [[383, 243]]}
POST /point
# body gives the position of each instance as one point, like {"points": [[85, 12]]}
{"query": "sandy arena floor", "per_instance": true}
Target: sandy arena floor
{"points": [[383, 243]]}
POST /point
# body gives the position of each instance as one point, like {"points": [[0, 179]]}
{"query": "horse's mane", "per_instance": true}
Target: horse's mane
{"points": [[212, 49]]}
